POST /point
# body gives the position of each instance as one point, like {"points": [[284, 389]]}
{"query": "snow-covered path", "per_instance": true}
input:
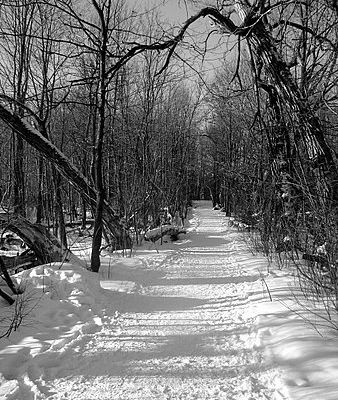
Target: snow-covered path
{"points": [[185, 333], [192, 320], [179, 323]]}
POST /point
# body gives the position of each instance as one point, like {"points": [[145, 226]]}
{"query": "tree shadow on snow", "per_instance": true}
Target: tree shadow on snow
{"points": [[142, 303], [219, 280], [175, 355]]}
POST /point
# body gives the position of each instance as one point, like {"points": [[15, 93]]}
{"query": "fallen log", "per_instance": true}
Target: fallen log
{"points": [[25, 260], [89, 221], [45, 246], [157, 233]]}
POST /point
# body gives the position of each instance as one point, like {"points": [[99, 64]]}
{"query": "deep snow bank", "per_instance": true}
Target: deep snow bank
{"points": [[61, 302], [295, 335]]}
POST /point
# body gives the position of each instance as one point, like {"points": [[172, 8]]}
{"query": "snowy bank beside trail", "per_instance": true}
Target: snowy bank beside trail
{"points": [[295, 335], [63, 303]]}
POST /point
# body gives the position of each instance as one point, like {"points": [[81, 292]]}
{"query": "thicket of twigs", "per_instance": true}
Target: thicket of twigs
{"points": [[273, 140]]}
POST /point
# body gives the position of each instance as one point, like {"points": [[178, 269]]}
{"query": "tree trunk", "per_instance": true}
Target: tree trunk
{"points": [[309, 129], [59, 208], [7, 277], [39, 205], [18, 175], [7, 297], [97, 235], [104, 17], [84, 213]]}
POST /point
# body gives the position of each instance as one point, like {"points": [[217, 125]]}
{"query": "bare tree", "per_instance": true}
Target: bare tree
{"points": [[16, 45]]}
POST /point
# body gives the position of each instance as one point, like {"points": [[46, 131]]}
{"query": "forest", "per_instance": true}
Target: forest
{"points": [[109, 121]]}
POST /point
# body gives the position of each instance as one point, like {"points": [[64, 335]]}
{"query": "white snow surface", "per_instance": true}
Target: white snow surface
{"points": [[186, 320]]}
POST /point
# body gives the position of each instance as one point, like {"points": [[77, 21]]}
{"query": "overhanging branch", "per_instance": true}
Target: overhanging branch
{"points": [[320, 38], [171, 44]]}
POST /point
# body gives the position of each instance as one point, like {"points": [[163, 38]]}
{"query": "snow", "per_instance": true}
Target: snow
{"points": [[187, 320]]}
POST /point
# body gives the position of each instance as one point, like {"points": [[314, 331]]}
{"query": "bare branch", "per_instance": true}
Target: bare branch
{"points": [[171, 44], [318, 37]]}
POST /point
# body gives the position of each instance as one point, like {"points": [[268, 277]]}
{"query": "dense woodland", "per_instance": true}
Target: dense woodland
{"points": [[106, 120]]}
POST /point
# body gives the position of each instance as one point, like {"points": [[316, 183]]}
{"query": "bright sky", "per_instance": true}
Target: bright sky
{"points": [[174, 10], [176, 13]]}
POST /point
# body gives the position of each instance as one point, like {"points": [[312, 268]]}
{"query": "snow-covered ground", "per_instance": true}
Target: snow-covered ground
{"points": [[186, 320]]}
